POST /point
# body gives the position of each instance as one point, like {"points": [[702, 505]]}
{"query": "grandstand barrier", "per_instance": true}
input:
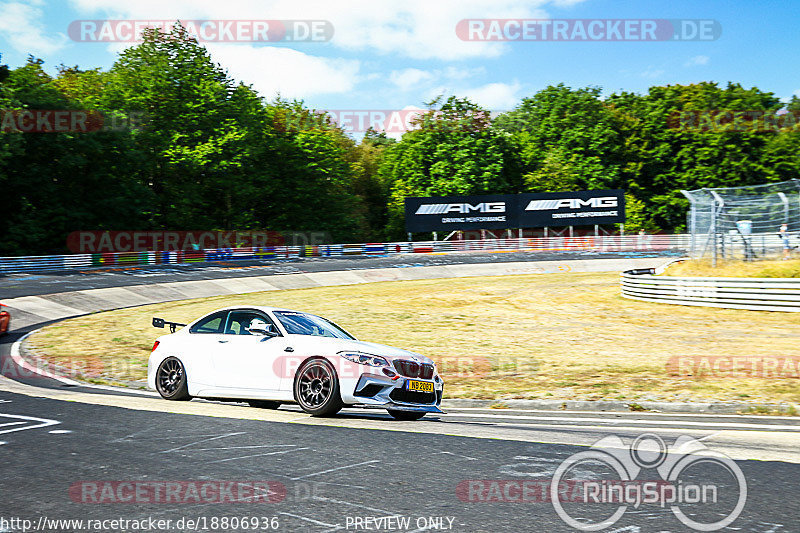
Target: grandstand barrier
{"points": [[122, 260]]}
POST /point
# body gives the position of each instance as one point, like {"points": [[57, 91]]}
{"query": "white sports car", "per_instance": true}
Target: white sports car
{"points": [[269, 356]]}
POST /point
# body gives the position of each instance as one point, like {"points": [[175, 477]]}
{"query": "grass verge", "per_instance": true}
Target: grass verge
{"points": [[736, 269]]}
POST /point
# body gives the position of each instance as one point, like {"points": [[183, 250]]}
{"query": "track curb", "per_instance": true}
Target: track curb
{"points": [[622, 407]]}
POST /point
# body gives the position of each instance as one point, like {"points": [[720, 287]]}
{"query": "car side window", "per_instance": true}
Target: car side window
{"points": [[213, 323], [239, 322]]}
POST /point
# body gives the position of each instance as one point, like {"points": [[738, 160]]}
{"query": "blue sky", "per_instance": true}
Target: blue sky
{"points": [[396, 55]]}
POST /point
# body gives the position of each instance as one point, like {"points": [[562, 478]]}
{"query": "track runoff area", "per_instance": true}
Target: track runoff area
{"points": [[90, 458]]}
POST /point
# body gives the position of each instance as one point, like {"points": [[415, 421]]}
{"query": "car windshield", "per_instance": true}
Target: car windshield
{"points": [[305, 324]]}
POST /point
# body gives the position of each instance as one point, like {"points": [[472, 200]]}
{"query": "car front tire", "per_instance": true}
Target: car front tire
{"points": [[171, 381], [406, 415], [316, 388]]}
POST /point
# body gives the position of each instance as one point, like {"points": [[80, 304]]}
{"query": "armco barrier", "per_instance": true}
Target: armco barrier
{"points": [[755, 294], [606, 243]]}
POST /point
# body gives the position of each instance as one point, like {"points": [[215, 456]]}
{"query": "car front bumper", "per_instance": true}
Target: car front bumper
{"points": [[380, 392]]}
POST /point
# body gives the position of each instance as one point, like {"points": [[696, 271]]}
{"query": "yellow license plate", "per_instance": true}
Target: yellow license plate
{"points": [[422, 386]]}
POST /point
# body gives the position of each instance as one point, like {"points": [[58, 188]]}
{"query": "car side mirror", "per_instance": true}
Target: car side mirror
{"points": [[268, 330]]}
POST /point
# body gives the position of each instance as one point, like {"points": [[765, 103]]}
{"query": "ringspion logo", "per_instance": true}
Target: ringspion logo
{"points": [[705, 490]]}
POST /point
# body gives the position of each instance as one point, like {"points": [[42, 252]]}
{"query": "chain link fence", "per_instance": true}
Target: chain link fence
{"points": [[743, 222]]}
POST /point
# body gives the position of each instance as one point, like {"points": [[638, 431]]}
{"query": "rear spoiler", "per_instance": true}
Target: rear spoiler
{"points": [[160, 323]]}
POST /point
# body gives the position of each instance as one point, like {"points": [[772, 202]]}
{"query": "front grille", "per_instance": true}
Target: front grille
{"points": [[411, 369], [412, 396], [369, 391]]}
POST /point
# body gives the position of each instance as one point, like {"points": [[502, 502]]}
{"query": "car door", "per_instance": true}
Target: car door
{"points": [[198, 348], [244, 361]]}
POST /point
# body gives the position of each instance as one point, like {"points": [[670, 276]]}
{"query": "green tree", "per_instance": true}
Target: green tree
{"points": [[452, 151], [567, 139], [371, 186], [673, 155], [191, 136], [57, 183]]}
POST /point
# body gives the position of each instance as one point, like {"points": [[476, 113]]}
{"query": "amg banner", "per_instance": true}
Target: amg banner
{"points": [[446, 213], [508, 211], [580, 208]]}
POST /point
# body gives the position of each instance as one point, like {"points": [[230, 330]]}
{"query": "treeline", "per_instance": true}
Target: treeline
{"points": [[191, 150]]}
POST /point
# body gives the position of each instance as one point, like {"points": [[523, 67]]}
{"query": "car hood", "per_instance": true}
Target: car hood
{"points": [[332, 346]]}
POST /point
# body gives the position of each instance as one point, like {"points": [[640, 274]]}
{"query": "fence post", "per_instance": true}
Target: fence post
{"points": [[715, 211]]}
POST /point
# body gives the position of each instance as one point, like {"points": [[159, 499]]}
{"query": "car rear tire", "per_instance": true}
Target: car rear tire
{"points": [[171, 382], [316, 388], [264, 404], [406, 415]]}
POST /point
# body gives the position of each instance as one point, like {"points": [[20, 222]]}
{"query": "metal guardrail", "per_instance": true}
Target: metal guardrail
{"points": [[755, 294], [606, 243]]}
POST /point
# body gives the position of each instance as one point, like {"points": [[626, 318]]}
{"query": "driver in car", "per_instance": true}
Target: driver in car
{"points": [[256, 324]]}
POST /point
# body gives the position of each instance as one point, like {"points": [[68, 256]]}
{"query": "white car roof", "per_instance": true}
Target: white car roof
{"points": [[257, 307]]}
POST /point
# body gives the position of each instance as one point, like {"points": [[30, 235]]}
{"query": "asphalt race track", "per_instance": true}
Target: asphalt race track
{"points": [[14, 285], [81, 452], [328, 473]]}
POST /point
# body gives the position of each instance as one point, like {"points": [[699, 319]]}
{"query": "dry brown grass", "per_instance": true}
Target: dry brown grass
{"points": [[736, 269], [553, 336]]}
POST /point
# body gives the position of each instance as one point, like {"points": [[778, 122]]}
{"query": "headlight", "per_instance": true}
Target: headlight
{"points": [[364, 358]]}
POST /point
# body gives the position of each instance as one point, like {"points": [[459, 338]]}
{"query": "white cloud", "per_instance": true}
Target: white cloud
{"points": [[409, 78], [697, 61], [22, 26], [455, 73], [415, 28], [418, 29], [652, 72], [412, 78], [272, 70], [495, 96]]}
